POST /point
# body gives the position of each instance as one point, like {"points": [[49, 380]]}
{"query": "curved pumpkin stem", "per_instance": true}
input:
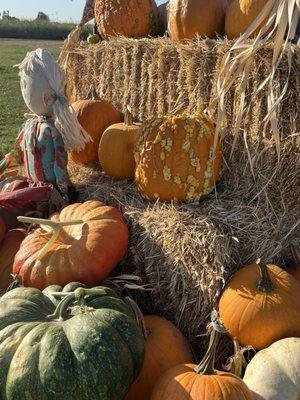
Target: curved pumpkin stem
{"points": [[206, 367], [265, 284], [50, 227], [128, 118]]}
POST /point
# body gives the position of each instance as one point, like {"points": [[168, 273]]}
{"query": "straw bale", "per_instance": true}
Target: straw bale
{"points": [[187, 252]]}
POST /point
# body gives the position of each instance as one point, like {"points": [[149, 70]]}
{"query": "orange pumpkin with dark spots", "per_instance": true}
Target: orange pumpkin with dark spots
{"points": [[165, 348], [176, 159]]}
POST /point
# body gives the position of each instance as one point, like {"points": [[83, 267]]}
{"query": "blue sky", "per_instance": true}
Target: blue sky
{"points": [[62, 10]]}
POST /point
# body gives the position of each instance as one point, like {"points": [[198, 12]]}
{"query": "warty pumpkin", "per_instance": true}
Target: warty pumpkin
{"points": [[83, 242], [95, 116], [8, 249], [88, 347], [293, 267], [260, 305], [273, 373], [165, 348], [129, 18], [187, 18], [240, 15], [202, 382], [116, 149], [175, 158]]}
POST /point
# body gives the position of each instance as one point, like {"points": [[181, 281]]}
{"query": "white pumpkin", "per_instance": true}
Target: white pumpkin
{"points": [[274, 373]]}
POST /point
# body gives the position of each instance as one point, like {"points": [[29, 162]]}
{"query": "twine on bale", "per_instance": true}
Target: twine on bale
{"points": [[282, 18]]}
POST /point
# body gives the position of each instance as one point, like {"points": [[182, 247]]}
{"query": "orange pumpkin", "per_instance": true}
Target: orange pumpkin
{"points": [[293, 267], [240, 16], [82, 243], [202, 382], [130, 18], [8, 249], [116, 150], [175, 158], [94, 116], [261, 305], [165, 348], [187, 18]]}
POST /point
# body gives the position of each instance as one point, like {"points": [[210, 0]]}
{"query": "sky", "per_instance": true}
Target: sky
{"points": [[58, 10]]}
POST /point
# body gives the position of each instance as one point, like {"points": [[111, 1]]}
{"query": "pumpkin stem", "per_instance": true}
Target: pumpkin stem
{"points": [[265, 284], [49, 226], [206, 367], [128, 118]]}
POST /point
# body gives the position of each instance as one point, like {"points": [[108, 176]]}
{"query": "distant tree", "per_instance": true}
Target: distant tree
{"points": [[42, 17], [5, 15]]}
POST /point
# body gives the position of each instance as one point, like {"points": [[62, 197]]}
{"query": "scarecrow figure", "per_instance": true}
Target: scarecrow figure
{"points": [[36, 170]]}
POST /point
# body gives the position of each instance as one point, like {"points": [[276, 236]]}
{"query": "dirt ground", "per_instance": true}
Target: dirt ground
{"points": [[51, 45]]}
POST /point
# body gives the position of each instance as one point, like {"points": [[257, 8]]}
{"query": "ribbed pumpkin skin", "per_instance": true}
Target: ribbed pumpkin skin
{"points": [[174, 157], [94, 116], [86, 253], [129, 18], [240, 16], [183, 383], [8, 249], [260, 319], [93, 354], [273, 373], [116, 150], [165, 348], [187, 18]]}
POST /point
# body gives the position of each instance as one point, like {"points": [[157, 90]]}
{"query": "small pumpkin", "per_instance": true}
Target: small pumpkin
{"points": [[273, 373], [165, 348], [87, 347], [240, 15], [260, 305], [95, 116], [175, 158], [83, 242], [187, 18], [129, 18], [202, 382], [8, 249], [293, 267], [116, 149]]}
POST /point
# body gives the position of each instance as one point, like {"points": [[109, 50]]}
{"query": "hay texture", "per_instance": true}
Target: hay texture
{"points": [[187, 252]]}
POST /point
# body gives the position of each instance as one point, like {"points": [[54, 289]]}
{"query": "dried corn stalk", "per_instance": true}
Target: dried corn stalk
{"points": [[282, 17]]}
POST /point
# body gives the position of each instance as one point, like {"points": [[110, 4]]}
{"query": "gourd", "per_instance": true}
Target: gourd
{"points": [[260, 305], [165, 348], [83, 242], [202, 382], [95, 116], [293, 267], [187, 18], [240, 15], [88, 347], [273, 373], [175, 158], [8, 249], [129, 18], [116, 149]]}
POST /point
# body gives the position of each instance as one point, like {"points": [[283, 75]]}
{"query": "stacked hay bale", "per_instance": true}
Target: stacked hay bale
{"points": [[187, 252]]}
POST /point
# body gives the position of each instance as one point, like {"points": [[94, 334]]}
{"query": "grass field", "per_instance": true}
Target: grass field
{"points": [[12, 107]]}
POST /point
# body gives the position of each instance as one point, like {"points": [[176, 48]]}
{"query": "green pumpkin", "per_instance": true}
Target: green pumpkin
{"points": [[88, 347]]}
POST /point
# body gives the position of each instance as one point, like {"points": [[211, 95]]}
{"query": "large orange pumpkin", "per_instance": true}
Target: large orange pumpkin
{"points": [[187, 18], [130, 18], [165, 348], [116, 149], [240, 16], [176, 160], [94, 116], [83, 243], [260, 305], [8, 249], [293, 267], [202, 382]]}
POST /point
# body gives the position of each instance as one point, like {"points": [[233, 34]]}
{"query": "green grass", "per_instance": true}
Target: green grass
{"points": [[12, 107]]}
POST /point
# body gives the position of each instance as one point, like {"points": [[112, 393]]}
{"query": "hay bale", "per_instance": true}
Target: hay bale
{"points": [[187, 252]]}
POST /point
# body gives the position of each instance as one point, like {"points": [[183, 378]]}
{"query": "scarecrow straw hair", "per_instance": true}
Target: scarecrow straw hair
{"points": [[185, 252]]}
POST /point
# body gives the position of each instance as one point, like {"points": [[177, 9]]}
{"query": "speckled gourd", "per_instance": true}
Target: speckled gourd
{"points": [[175, 158], [88, 347]]}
